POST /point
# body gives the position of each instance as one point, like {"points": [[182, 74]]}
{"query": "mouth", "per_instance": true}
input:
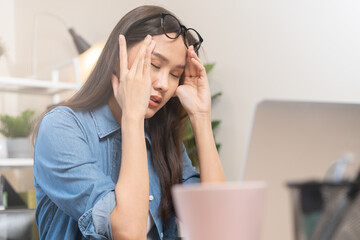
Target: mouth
{"points": [[155, 101]]}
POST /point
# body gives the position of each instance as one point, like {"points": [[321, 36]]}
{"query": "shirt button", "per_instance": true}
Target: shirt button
{"points": [[162, 235], [151, 197]]}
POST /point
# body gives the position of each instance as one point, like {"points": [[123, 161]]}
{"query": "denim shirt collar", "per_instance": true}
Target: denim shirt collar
{"points": [[105, 122]]}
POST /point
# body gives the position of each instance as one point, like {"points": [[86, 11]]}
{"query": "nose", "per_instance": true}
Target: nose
{"points": [[161, 82]]}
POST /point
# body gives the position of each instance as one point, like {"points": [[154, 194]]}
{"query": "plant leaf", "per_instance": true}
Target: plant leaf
{"points": [[19, 126], [215, 124], [209, 67], [216, 95], [218, 146]]}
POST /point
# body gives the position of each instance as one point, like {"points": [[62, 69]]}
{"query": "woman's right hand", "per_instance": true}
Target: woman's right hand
{"points": [[132, 90]]}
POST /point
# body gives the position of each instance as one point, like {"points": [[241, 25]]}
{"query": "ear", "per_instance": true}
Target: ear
{"points": [[115, 84], [116, 75]]}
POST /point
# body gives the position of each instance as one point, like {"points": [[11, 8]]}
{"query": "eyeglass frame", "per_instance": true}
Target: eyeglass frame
{"points": [[182, 31]]}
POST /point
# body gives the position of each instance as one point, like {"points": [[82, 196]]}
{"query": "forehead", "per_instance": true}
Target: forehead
{"points": [[173, 49]]}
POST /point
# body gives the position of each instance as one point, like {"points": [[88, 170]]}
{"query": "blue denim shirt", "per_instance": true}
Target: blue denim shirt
{"points": [[76, 166]]}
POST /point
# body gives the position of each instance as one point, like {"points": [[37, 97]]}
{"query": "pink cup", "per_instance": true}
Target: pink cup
{"points": [[220, 211]]}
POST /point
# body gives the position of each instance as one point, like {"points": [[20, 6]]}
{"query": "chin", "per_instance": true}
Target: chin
{"points": [[150, 113]]}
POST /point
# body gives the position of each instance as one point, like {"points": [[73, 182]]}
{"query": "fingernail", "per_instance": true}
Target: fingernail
{"points": [[147, 37], [121, 37]]}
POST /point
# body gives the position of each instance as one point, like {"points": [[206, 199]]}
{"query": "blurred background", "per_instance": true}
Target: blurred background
{"points": [[283, 50]]}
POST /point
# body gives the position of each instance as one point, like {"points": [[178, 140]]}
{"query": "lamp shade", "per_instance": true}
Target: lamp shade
{"points": [[80, 43], [88, 59]]}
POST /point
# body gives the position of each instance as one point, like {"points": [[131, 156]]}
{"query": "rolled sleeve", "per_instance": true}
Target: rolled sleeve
{"points": [[68, 173], [95, 223], [190, 175]]}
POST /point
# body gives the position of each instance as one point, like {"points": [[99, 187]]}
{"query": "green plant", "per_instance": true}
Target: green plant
{"points": [[189, 138], [20, 126]]}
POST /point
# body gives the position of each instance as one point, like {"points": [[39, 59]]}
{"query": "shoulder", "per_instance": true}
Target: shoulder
{"points": [[63, 124], [63, 114], [63, 117]]}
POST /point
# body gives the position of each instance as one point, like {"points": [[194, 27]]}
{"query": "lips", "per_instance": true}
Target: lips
{"points": [[155, 100]]}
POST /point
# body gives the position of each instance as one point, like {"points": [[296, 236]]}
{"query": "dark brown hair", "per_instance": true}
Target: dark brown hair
{"points": [[165, 128]]}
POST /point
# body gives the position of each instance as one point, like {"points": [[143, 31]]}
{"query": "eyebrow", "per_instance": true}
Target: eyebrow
{"points": [[164, 59]]}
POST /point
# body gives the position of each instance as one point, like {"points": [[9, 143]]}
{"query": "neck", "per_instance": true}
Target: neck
{"points": [[115, 109]]}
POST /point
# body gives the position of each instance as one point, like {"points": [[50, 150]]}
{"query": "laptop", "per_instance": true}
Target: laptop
{"points": [[297, 141]]}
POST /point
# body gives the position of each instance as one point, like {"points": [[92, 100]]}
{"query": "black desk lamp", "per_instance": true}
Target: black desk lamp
{"points": [[80, 44]]}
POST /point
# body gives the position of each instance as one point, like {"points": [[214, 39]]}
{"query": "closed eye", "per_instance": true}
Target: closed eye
{"points": [[157, 67], [175, 76]]}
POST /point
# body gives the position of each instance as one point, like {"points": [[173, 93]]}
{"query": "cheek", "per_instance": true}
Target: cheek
{"points": [[171, 92], [173, 87], [153, 74]]}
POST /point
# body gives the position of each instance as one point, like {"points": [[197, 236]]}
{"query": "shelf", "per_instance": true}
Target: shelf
{"points": [[16, 162], [34, 86]]}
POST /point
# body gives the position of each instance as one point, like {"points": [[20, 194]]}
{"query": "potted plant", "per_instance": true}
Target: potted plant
{"points": [[17, 131]]}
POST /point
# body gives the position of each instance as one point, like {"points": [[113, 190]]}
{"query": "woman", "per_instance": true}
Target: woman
{"points": [[105, 160]]}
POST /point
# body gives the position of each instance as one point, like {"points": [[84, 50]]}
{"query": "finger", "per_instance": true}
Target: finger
{"points": [[138, 63], [191, 71], [194, 55], [123, 58], [188, 67], [199, 66], [141, 59], [115, 84], [147, 64]]}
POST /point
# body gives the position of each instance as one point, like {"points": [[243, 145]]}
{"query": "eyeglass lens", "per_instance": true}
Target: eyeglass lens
{"points": [[172, 25], [192, 38]]}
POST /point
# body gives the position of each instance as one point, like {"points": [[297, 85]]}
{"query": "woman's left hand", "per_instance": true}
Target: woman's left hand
{"points": [[195, 94]]}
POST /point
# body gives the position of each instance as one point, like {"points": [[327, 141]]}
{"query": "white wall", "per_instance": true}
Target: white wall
{"points": [[263, 49], [7, 36], [278, 49]]}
